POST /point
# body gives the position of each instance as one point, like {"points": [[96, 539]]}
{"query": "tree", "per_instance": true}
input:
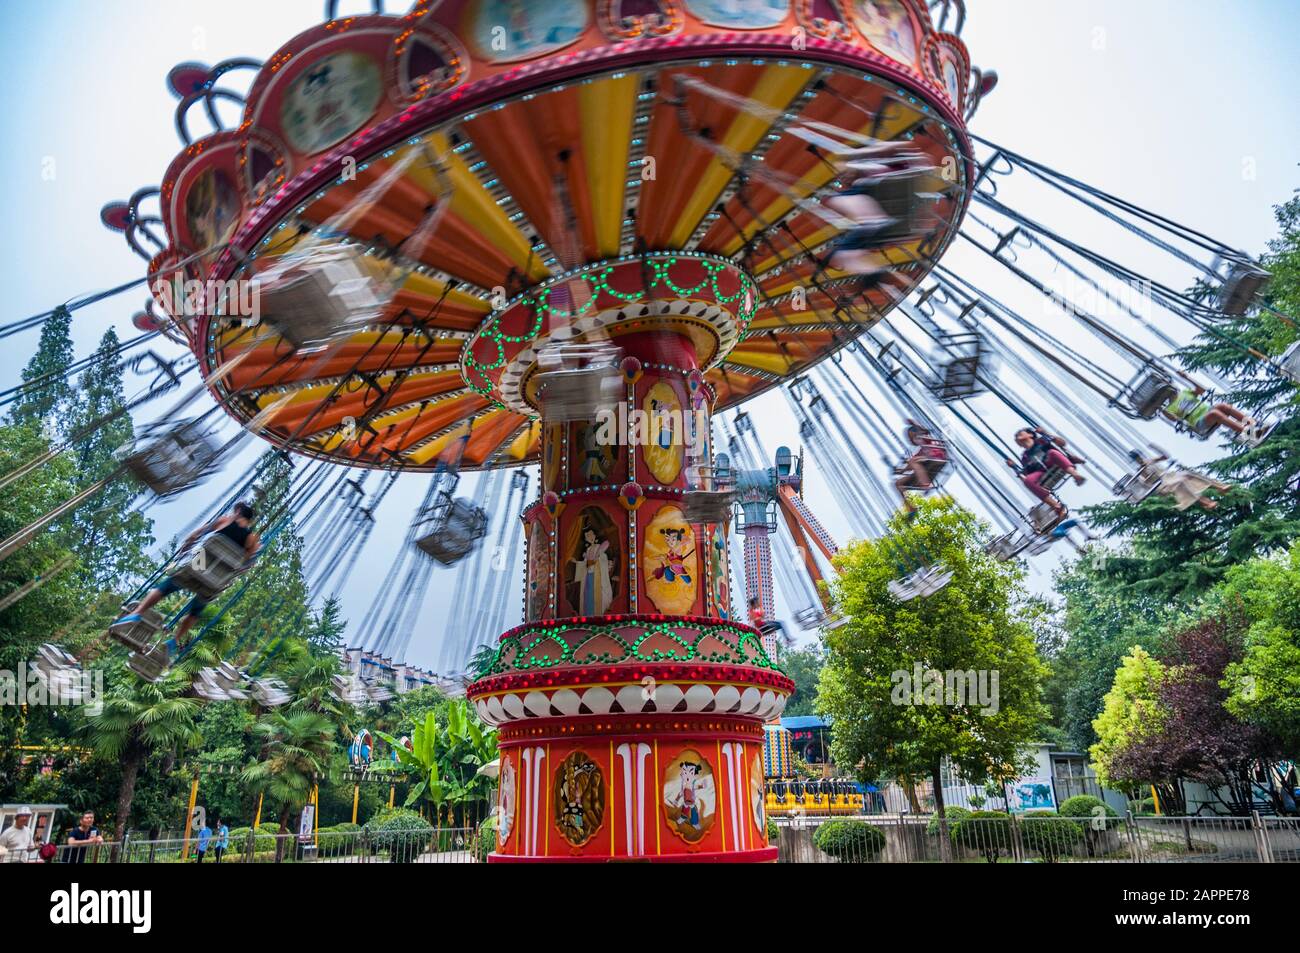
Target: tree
{"points": [[140, 720], [1131, 713], [1184, 554], [111, 536], [295, 750], [804, 666], [1102, 618], [1264, 685], [969, 629], [328, 626], [1200, 739], [46, 393]]}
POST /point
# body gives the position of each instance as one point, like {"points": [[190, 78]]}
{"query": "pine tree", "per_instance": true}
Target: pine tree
{"points": [[111, 537], [326, 635], [49, 393], [1180, 555]]}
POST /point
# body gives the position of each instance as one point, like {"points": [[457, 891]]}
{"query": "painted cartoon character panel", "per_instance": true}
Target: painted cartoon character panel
{"points": [[595, 458], [579, 798], [718, 572], [663, 450], [539, 571], [593, 563], [211, 209], [551, 456], [888, 27], [689, 796], [741, 14], [506, 818], [331, 100], [670, 562], [758, 794], [507, 30]]}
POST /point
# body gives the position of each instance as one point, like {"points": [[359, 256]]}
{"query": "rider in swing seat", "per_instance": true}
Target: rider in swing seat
{"points": [[1187, 487], [920, 469], [874, 227], [1192, 410], [1036, 460], [235, 526]]}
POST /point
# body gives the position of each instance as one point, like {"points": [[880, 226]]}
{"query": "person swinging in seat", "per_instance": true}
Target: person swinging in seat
{"points": [[1186, 487], [880, 202], [918, 471], [1193, 411], [235, 526], [1041, 455]]}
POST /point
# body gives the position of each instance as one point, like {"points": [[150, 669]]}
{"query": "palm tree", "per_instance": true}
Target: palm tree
{"points": [[296, 747], [140, 719]]}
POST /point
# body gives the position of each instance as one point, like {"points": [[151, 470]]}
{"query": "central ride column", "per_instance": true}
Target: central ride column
{"points": [[630, 703]]}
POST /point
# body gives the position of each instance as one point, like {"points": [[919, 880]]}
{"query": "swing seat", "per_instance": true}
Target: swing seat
{"points": [[348, 690], [270, 692], [1053, 479], [457, 526], [60, 673], [1290, 362], [140, 635], [314, 301], [1136, 487], [212, 686], [210, 567], [1043, 519], [708, 506], [901, 197], [921, 584], [810, 618], [150, 664], [959, 375], [1040, 544], [576, 379], [1148, 393], [1243, 283], [1007, 547], [933, 467], [169, 459]]}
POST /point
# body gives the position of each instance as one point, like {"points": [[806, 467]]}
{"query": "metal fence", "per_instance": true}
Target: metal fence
{"points": [[866, 839], [1041, 839], [442, 846]]}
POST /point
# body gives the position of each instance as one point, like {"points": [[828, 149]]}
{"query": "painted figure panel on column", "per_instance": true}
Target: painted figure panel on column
{"points": [[888, 27], [663, 449], [594, 457], [506, 800], [670, 563], [539, 571], [579, 798], [592, 564], [690, 796]]}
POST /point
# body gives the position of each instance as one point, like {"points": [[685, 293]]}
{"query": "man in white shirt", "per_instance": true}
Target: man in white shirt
{"points": [[16, 842]]}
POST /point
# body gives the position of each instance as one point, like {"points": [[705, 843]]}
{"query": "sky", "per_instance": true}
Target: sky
{"points": [[1187, 107]]}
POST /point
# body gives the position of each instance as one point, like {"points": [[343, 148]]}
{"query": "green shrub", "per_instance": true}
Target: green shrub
{"points": [[400, 833], [849, 840], [339, 839], [955, 815], [265, 839], [988, 833], [773, 832], [1085, 805], [1049, 834]]}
